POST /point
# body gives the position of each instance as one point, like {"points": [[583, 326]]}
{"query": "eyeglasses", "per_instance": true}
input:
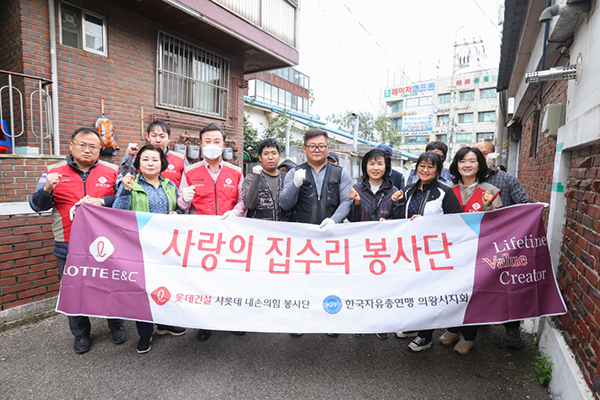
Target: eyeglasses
{"points": [[426, 166], [82, 147], [270, 154], [313, 147]]}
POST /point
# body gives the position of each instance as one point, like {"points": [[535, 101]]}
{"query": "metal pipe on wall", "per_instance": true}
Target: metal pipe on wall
{"points": [[54, 67]]}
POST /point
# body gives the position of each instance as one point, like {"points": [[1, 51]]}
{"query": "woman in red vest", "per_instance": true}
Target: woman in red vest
{"points": [[474, 195]]}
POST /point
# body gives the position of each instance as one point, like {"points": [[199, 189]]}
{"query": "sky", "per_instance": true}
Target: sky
{"points": [[353, 49]]}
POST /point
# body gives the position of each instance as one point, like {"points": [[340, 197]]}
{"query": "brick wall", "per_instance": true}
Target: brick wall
{"points": [[28, 270], [535, 171], [20, 174], [126, 78], [578, 272]]}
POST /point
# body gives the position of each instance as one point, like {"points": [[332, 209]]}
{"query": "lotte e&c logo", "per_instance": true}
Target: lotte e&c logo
{"points": [[161, 295], [101, 248]]}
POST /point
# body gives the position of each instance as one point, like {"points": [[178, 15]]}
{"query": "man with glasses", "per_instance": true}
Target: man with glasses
{"points": [[158, 134], [82, 178], [264, 184], [317, 192]]}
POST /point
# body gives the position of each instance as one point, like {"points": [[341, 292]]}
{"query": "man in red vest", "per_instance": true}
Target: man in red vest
{"points": [[158, 134], [82, 178], [212, 186]]}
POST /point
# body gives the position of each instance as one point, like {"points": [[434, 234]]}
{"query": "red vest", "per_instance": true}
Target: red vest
{"points": [[71, 188], [213, 198], [175, 168], [474, 203]]}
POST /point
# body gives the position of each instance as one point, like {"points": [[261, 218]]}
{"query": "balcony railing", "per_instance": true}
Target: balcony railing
{"points": [[277, 17]]}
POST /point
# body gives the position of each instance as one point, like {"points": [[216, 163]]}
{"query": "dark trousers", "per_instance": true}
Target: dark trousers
{"points": [[79, 324], [468, 332]]}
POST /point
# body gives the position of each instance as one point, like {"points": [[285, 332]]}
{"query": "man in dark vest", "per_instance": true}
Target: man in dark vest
{"points": [[317, 192], [263, 185]]}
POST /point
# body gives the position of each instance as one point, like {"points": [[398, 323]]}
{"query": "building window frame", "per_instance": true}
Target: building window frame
{"points": [[444, 98], [467, 95], [82, 28], [463, 119], [191, 79], [466, 137], [483, 116], [485, 93]]}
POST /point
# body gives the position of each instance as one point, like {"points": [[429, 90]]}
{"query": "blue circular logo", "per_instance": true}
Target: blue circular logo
{"points": [[332, 304]]}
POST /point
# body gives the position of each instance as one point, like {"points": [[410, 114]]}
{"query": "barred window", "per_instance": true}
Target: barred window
{"points": [[191, 79]]}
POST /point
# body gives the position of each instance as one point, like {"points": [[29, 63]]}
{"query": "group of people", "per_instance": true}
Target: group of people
{"points": [[152, 178]]}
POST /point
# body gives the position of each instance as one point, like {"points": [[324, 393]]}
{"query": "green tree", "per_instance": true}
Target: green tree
{"points": [[251, 140], [376, 129], [276, 128]]}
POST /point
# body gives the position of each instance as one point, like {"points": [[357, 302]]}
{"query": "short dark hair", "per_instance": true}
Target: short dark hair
{"points": [[160, 124], [433, 158], [149, 147], [437, 145], [376, 153], [268, 143], [85, 131], [212, 127], [460, 154], [311, 133]]}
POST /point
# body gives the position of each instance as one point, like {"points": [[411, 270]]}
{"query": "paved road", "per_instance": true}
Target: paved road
{"points": [[37, 362]]}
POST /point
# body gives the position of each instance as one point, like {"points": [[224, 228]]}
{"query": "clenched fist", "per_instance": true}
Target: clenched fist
{"points": [[52, 179], [299, 177], [355, 196], [128, 182]]}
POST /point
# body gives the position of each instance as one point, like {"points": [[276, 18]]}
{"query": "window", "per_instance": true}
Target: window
{"points": [[412, 103], [252, 88], [443, 120], [82, 29], [485, 137], [421, 139], [191, 79], [397, 123], [425, 101], [487, 116], [469, 95], [464, 137], [442, 138], [444, 98], [465, 118], [397, 107], [488, 93]]}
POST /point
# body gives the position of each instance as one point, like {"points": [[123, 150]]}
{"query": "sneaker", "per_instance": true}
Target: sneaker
{"points": [[358, 334], [448, 338], [82, 344], [171, 330], [464, 346], [144, 344], [419, 344], [382, 336], [204, 334], [513, 338], [296, 335], [119, 335], [408, 334], [238, 333], [333, 334]]}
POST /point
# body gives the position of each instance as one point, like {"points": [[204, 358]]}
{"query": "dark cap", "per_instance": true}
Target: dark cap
{"points": [[334, 156], [386, 148]]}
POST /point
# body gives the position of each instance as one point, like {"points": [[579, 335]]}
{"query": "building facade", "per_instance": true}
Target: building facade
{"points": [[180, 61], [459, 113], [552, 143]]}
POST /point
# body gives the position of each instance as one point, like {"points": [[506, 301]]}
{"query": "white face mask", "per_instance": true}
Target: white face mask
{"points": [[212, 151]]}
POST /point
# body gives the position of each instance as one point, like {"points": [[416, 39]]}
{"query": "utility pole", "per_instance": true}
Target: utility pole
{"points": [[452, 123]]}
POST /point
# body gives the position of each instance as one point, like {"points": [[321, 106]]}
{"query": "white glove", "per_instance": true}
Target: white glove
{"points": [[228, 214], [72, 210], [491, 159], [257, 169], [546, 205], [299, 177], [326, 221], [187, 193]]}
